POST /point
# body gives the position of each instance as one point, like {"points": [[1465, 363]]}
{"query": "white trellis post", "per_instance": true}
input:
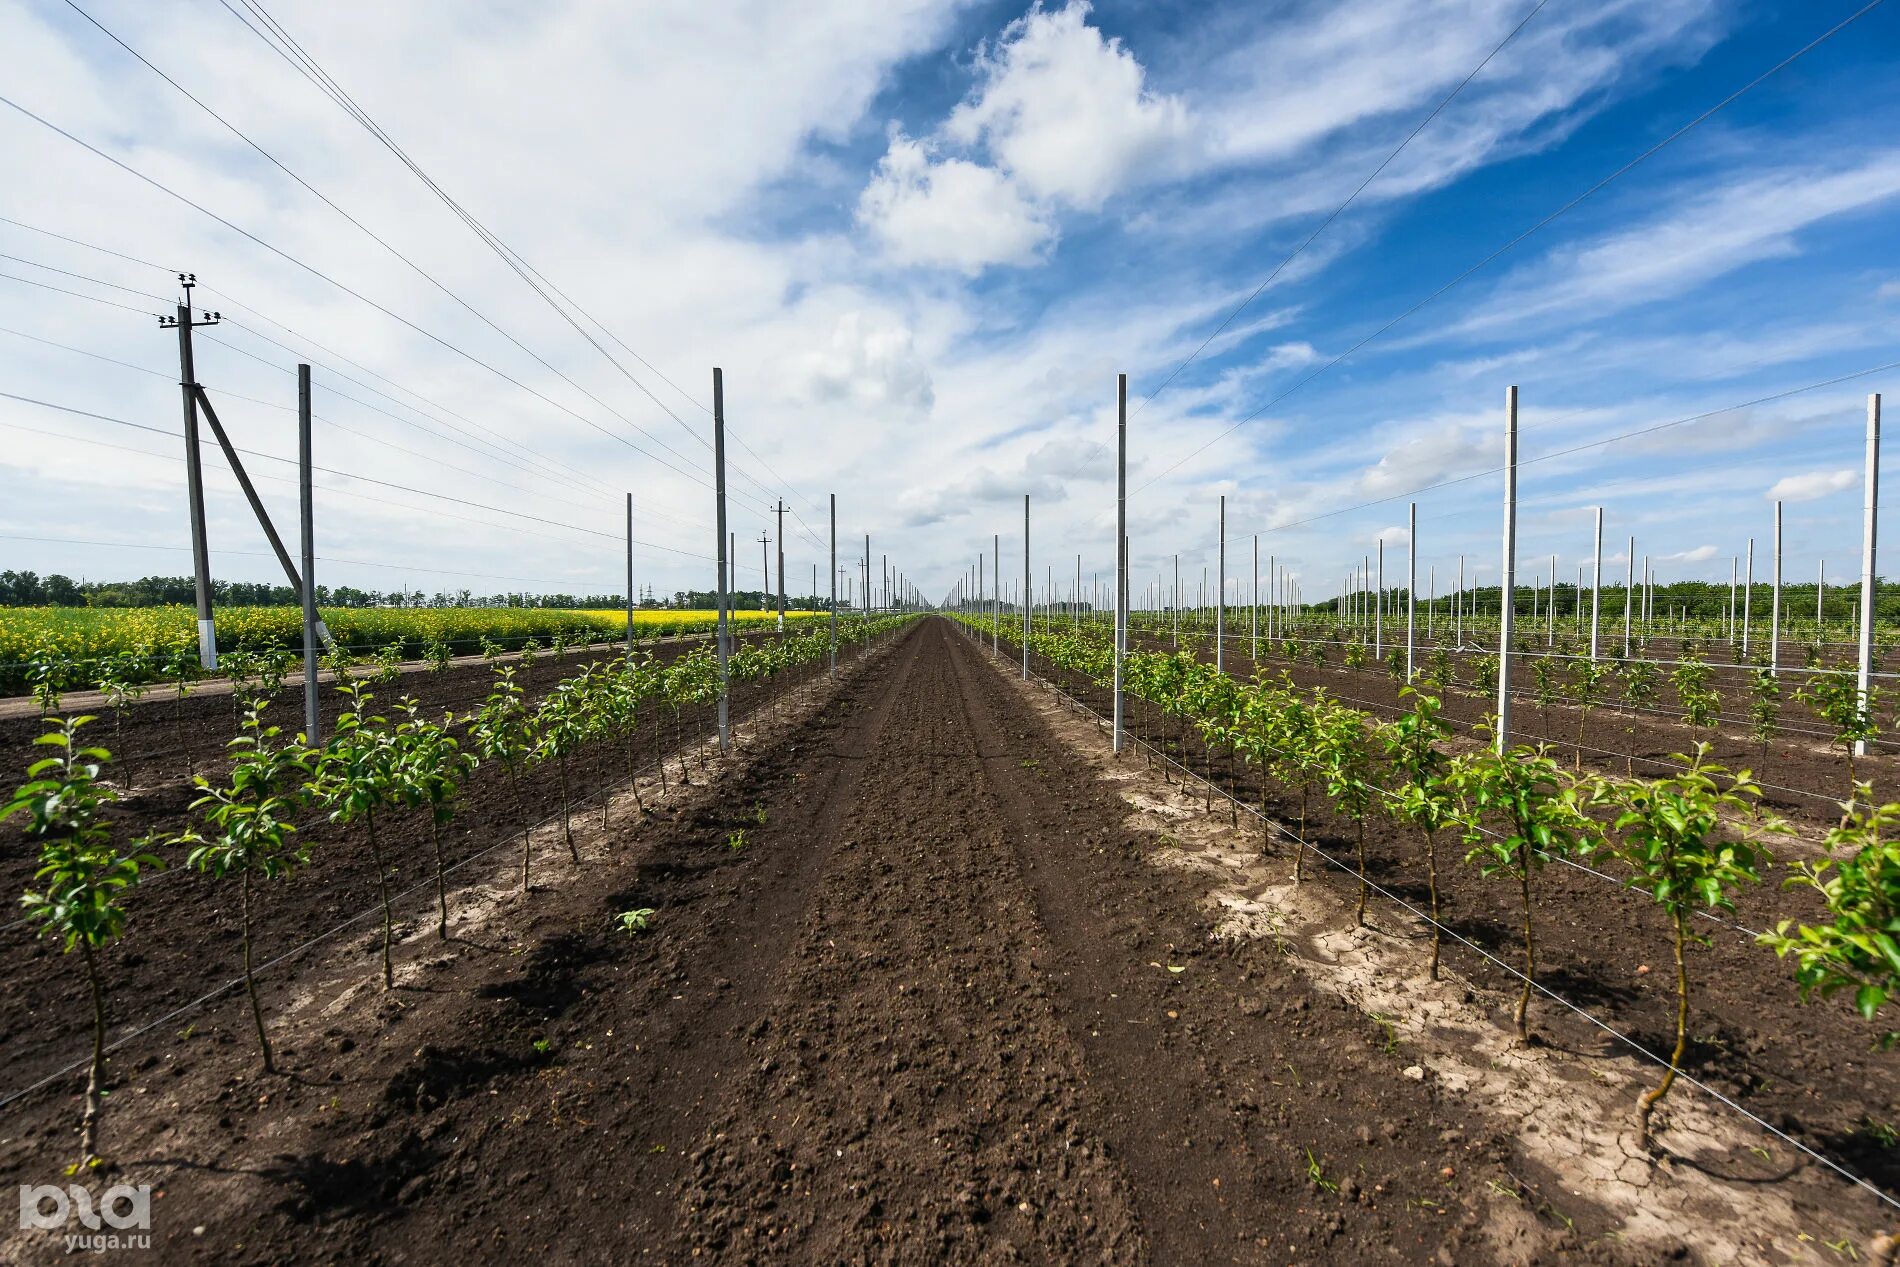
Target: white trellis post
{"points": [[1220, 595], [1774, 603], [1596, 586], [1378, 607], [1629, 594], [1411, 590], [1748, 594], [1864, 663], [1509, 579]]}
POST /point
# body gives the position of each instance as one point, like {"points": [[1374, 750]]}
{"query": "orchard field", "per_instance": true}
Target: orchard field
{"points": [[920, 970]]}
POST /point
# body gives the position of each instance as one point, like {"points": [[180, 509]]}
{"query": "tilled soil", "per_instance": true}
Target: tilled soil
{"points": [[913, 990], [182, 937], [1814, 1070]]}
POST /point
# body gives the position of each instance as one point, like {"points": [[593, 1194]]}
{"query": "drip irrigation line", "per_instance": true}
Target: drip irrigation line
{"points": [[1538, 986]]}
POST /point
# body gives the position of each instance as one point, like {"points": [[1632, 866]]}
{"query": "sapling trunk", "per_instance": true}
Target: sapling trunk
{"points": [[659, 741], [567, 826], [1522, 1014], [527, 828], [178, 728], [382, 888], [441, 880], [1360, 847], [250, 981], [118, 745], [1431, 884], [1651, 1098], [1299, 844], [1582, 717], [95, 1079], [633, 771]]}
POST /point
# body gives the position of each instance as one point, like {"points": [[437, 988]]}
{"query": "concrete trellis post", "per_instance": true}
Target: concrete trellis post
{"points": [[1026, 589], [1596, 587], [834, 585], [1864, 659], [1458, 608], [1505, 610], [1774, 603], [1411, 591], [1220, 597], [1378, 607], [306, 517], [1550, 607], [1748, 593], [1121, 547], [719, 497], [1629, 594]]}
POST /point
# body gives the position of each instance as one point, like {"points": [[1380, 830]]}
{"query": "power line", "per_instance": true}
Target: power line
{"points": [[603, 490], [344, 287], [1561, 210], [133, 259], [266, 554], [352, 475], [77, 294], [287, 47], [367, 231], [529, 454]]}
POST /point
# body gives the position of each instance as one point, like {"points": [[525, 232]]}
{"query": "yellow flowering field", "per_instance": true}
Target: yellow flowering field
{"points": [[148, 636]]}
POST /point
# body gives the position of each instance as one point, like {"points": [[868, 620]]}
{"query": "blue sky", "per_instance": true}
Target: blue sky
{"points": [[923, 238]]}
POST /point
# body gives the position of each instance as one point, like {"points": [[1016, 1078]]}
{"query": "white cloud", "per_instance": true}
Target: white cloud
{"points": [[1748, 219], [1811, 485], [870, 361], [1068, 113], [1427, 457], [949, 213], [1888, 290], [1699, 554]]}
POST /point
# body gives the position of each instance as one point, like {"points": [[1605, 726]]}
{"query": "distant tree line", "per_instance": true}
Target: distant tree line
{"points": [[30, 589]]}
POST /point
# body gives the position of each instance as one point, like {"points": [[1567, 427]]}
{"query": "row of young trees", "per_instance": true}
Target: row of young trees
{"points": [[1689, 840], [245, 828], [1635, 685]]}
